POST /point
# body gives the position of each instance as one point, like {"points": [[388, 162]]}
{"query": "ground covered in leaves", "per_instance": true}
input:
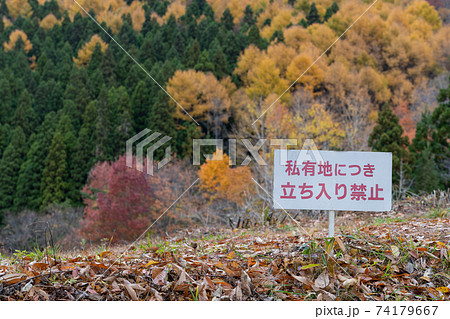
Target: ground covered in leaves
{"points": [[401, 255]]}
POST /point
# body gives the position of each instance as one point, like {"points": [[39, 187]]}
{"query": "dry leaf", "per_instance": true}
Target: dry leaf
{"points": [[323, 280]]}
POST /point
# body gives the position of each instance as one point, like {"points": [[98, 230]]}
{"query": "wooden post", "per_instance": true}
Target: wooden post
{"points": [[331, 217]]}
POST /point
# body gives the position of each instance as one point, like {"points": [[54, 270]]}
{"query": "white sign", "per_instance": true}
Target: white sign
{"points": [[357, 181]]}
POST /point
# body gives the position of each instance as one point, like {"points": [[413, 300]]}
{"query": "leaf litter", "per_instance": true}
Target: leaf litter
{"points": [[400, 260]]}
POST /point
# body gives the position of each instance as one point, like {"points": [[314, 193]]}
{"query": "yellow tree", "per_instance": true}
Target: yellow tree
{"points": [[85, 53], [14, 37], [264, 79], [315, 122], [422, 9], [311, 79], [202, 96], [18, 7], [176, 8], [48, 22], [221, 182]]}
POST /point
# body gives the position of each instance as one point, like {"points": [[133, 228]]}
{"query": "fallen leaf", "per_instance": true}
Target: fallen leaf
{"points": [[323, 280], [151, 262], [11, 279], [444, 290], [130, 290], [309, 266], [159, 275], [395, 251], [409, 268], [349, 282], [38, 266], [341, 244], [231, 255]]}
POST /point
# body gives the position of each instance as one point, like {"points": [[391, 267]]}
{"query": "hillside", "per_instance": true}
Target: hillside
{"points": [[400, 255]]}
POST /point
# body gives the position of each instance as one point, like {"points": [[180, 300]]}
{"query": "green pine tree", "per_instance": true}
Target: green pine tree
{"points": [[161, 120], [313, 15], [123, 127], [54, 180], [5, 101], [141, 101], [248, 19], [387, 137], [227, 20], [106, 119], [10, 163], [24, 115], [28, 193]]}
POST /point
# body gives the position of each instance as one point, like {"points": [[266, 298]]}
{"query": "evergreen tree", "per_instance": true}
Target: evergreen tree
{"points": [[108, 68], [334, 8], [4, 137], [123, 125], [5, 101], [387, 137], [28, 193], [441, 119], [204, 64], [4, 11], [227, 20], [84, 156], [141, 101], [96, 59], [54, 180], [220, 64], [192, 54], [313, 15], [24, 115], [255, 38], [106, 118], [10, 163], [161, 120], [248, 19], [430, 148]]}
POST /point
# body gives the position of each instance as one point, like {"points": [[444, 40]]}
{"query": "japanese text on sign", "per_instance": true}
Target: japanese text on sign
{"points": [[359, 181]]}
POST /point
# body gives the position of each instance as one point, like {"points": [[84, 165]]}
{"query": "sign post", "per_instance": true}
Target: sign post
{"points": [[331, 218], [348, 181]]}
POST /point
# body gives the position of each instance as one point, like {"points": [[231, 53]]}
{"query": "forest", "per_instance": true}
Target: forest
{"points": [[72, 96], [80, 78]]}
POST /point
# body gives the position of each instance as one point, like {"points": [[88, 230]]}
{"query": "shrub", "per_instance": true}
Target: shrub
{"points": [[27, 229]]}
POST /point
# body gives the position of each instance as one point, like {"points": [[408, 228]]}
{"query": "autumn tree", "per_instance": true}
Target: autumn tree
{"points": [[203, 96], [118, 202], [221, 182], [14, 38], [85, 53]]}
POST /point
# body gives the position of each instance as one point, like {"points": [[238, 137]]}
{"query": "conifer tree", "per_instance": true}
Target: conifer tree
{"points": [[24, 115], [387, 137], [106, 119], [84, 155], [248, 19], [227, 20], [5, 101], [30, 176], [123, 126], [10, 163], [313, 15], [141, 101], [54, 180]]}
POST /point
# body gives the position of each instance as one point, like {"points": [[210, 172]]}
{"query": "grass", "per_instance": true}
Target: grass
{"points": [[388, 220], [439, 212]]}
